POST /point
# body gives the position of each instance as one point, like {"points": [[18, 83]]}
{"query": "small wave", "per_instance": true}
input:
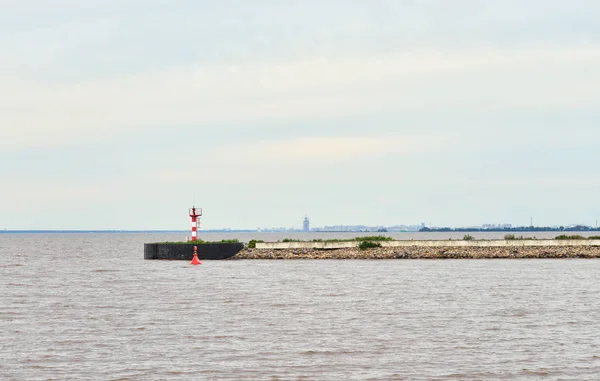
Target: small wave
{"points": [[540, 372], [71, 341], [470, 376], [9, 315], [41, 367], [280, 305], [326, 353]]}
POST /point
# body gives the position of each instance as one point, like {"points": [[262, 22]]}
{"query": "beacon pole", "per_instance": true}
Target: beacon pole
{"points": [[195, 213]]}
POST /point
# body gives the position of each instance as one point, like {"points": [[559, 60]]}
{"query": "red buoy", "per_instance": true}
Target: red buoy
{"points": [[195, 260]]}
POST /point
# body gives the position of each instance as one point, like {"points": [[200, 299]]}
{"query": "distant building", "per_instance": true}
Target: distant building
{"points": [[306, 224], [496, 226]]}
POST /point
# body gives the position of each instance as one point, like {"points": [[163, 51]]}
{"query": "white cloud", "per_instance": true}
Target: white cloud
{"points": [[138, 103], [327, 148], [40, 114], [292, 160]]}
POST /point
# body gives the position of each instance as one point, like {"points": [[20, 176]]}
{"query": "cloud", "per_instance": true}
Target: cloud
{"points": [[42, 114], [293, 160], [134, 103], [338, 148], [334, 148]]}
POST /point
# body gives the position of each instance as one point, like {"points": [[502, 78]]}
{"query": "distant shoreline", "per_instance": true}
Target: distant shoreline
{"points": [[87, 231], [443, 230], [528, 229], [116, 231]]}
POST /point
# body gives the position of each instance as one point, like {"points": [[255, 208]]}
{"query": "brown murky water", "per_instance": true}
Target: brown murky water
{"points": [[83, 306]]}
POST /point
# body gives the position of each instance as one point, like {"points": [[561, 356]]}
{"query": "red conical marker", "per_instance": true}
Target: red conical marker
{"points": [[195, 260]]}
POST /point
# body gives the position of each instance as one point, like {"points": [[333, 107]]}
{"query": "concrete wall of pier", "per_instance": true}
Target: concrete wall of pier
{"points": [[185, 251]]}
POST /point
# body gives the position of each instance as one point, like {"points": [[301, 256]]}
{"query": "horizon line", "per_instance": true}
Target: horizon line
{"points": [[533, 229]]}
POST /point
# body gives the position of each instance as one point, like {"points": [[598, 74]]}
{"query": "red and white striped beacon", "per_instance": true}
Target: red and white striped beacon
{"points": [[195, 213]]}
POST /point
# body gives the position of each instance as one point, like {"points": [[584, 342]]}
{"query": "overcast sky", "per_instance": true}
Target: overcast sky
{"points": [[118, 114]]}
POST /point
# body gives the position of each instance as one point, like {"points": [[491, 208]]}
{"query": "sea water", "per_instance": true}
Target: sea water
{"points": [[87, 306]]}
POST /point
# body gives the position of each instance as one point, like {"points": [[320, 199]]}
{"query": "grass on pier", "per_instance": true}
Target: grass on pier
{"points": [[512, 237], [359, 239], [201, 242], [366, 244], [570, 237], [370, 240]]}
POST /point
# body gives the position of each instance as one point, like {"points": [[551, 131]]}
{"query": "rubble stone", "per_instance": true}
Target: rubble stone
{"points": [[417, 252]]}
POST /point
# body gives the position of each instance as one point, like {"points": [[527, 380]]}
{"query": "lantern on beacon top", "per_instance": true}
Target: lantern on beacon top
{"points": [[195, 213]]}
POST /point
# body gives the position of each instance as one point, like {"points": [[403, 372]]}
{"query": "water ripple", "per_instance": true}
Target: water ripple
{"points": [[89, 307]]}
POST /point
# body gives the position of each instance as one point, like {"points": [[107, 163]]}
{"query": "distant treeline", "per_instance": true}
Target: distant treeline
{"points": [[577, 228]]}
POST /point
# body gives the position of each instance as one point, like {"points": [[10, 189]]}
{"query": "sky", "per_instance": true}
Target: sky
{"points": [[121, 114]]}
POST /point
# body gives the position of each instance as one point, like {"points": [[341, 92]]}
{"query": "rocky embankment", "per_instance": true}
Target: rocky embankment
{"points": [[415, 252]]}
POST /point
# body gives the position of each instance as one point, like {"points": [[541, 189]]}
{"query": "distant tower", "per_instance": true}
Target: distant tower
{"points": [[306, 224], [195, 213]]}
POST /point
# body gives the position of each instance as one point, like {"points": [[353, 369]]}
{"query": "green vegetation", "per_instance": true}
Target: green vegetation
{"points": [[253, 242], [197, 242], [577, 236], [468, 237], [374, 238], [510, 237], [564, 236], [359, 239], [201, 242], [368, 244]]}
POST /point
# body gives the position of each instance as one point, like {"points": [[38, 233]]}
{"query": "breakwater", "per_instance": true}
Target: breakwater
{"points": [[185, 251], [330, 245], [426, 252]]}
